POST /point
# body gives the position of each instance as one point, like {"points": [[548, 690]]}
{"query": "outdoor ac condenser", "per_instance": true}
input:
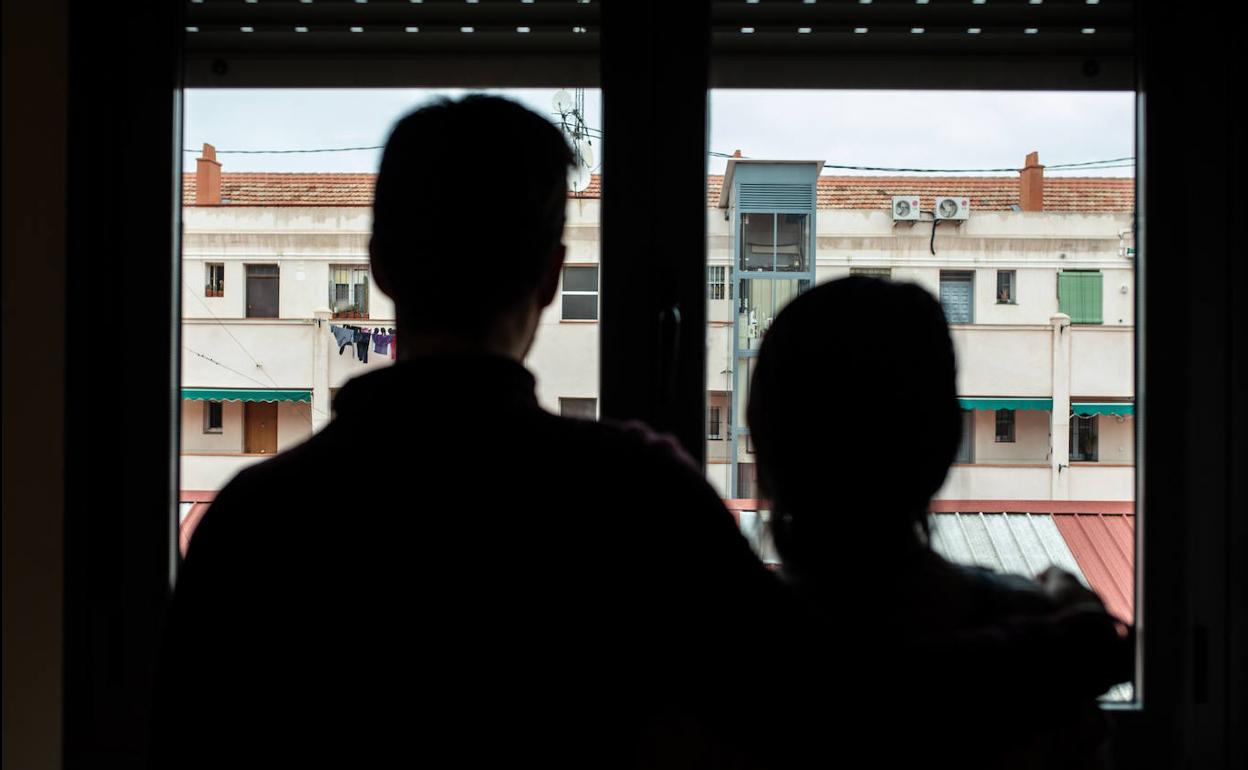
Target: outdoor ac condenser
{"points": [[953, 208], [905, 208]]}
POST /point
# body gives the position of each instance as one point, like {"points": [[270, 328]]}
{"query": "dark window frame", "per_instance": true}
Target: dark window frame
{"points": [[114, 199], [1081, 427], [208, 408], [1011, 292], [1006, 426]]}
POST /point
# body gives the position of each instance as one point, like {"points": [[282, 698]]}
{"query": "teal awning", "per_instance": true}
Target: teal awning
{"points": [[245, 394], [1089, 408], [1043, 404]]}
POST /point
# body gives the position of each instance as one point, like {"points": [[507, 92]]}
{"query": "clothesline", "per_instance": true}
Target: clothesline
{"points": [[382, 338]]}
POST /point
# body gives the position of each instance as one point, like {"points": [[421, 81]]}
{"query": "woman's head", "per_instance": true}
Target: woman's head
{"points": [[853, 411]]}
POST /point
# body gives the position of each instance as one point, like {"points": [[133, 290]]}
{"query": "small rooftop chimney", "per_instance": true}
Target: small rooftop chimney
{"points": [[207, 178], [1031, 184]]}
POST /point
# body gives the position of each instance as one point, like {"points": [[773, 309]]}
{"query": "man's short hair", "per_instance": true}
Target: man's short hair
{"points": [[468, 208]]}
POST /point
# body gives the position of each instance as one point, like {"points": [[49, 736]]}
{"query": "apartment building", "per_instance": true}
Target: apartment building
{"points": [[1036, 277]]}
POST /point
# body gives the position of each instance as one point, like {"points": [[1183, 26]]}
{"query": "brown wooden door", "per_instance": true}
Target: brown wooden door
{"points": [[260, 427]]}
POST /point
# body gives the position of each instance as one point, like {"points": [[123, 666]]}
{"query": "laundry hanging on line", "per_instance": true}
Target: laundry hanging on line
{"points": [[383, 339]]}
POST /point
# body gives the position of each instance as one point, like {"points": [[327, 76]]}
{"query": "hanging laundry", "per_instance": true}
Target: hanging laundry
{"points": [[361, 345], [343, 336], [394, 346], [381, 342]]}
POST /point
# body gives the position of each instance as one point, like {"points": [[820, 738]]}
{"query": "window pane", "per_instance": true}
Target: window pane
{"points": [[995, 275], [792, 235], [757, 242], [581, 408], [580, 307], [580, 279], [292, 231]]}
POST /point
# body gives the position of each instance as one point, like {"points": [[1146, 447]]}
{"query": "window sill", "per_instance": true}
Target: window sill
{"points": [[578, 320], [1000, 302]]}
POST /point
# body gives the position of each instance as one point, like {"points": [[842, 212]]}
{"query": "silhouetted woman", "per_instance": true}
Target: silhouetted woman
{"points": [[854, 418]]}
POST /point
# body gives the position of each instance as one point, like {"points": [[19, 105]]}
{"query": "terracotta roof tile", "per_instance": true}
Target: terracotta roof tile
{"points": [[1061, 194]]}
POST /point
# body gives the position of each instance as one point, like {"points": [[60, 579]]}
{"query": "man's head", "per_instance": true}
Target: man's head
{"points": [[853, 410], [468, 215]]}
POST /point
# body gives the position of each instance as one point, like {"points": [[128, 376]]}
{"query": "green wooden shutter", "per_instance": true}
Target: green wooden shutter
{"points": [[1079, 296]]}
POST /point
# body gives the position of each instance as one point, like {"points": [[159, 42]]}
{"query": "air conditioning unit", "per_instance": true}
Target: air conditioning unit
{"points": [[905, 208], [953, 208]]}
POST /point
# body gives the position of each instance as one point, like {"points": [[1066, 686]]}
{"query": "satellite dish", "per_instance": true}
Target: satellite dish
{"points": [[579, 179], [586, 151], [562, 102]]}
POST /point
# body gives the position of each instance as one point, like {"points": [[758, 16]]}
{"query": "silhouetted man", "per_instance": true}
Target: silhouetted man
{"points": [[447, 573]]}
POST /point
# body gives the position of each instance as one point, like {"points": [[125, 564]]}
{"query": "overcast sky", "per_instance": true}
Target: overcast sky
{"points": [[909, 129]]}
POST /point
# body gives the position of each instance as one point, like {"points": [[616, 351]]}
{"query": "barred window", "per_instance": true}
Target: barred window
{"points": [[717, 284]]}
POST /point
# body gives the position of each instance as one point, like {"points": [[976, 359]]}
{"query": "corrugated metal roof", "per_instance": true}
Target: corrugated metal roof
{"points": [[1018, 543]]}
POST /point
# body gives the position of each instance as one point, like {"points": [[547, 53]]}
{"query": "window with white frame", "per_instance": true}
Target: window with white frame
{"points": [[1005, 287], [580, 293], [214, 279], [717, 284], [348, 291], [714, 431]]}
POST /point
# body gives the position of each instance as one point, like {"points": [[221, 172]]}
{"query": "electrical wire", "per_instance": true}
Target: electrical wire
{"points": [[1091, 165]]}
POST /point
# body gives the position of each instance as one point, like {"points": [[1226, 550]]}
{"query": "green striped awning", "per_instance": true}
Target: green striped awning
{"points": [[245, 394], [1043, 404], [1089, 408]]}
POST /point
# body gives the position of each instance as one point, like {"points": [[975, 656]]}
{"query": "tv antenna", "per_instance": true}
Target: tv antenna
{"points": [[570, 107]]}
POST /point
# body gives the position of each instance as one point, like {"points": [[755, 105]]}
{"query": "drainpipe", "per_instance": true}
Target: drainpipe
{"points": [[320, 370], [1059, 418]]}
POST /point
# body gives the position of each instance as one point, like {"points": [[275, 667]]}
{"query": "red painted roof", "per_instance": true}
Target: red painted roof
{"points": [[997, 193], [1104, 546], [201, 499]]}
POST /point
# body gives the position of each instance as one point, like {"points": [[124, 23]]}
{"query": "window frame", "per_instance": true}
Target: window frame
{"points": [[113, 199], [1012, 298], [209, 289], [1079, 425], [351, 269], [1010, 423], [715, 420], [207, 407], [565, 292], [959, 274]]}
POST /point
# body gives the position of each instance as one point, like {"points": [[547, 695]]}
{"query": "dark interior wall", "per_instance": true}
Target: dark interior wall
{"points": [[35, 71]]}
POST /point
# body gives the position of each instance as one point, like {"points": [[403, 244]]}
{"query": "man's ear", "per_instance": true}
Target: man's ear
{"points": [[549, 286]]}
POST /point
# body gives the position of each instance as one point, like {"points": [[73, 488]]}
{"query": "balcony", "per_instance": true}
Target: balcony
{"points": [[998, 481]]}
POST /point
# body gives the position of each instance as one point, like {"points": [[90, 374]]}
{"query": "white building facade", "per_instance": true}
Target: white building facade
{"points": [[1040, 301]]}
